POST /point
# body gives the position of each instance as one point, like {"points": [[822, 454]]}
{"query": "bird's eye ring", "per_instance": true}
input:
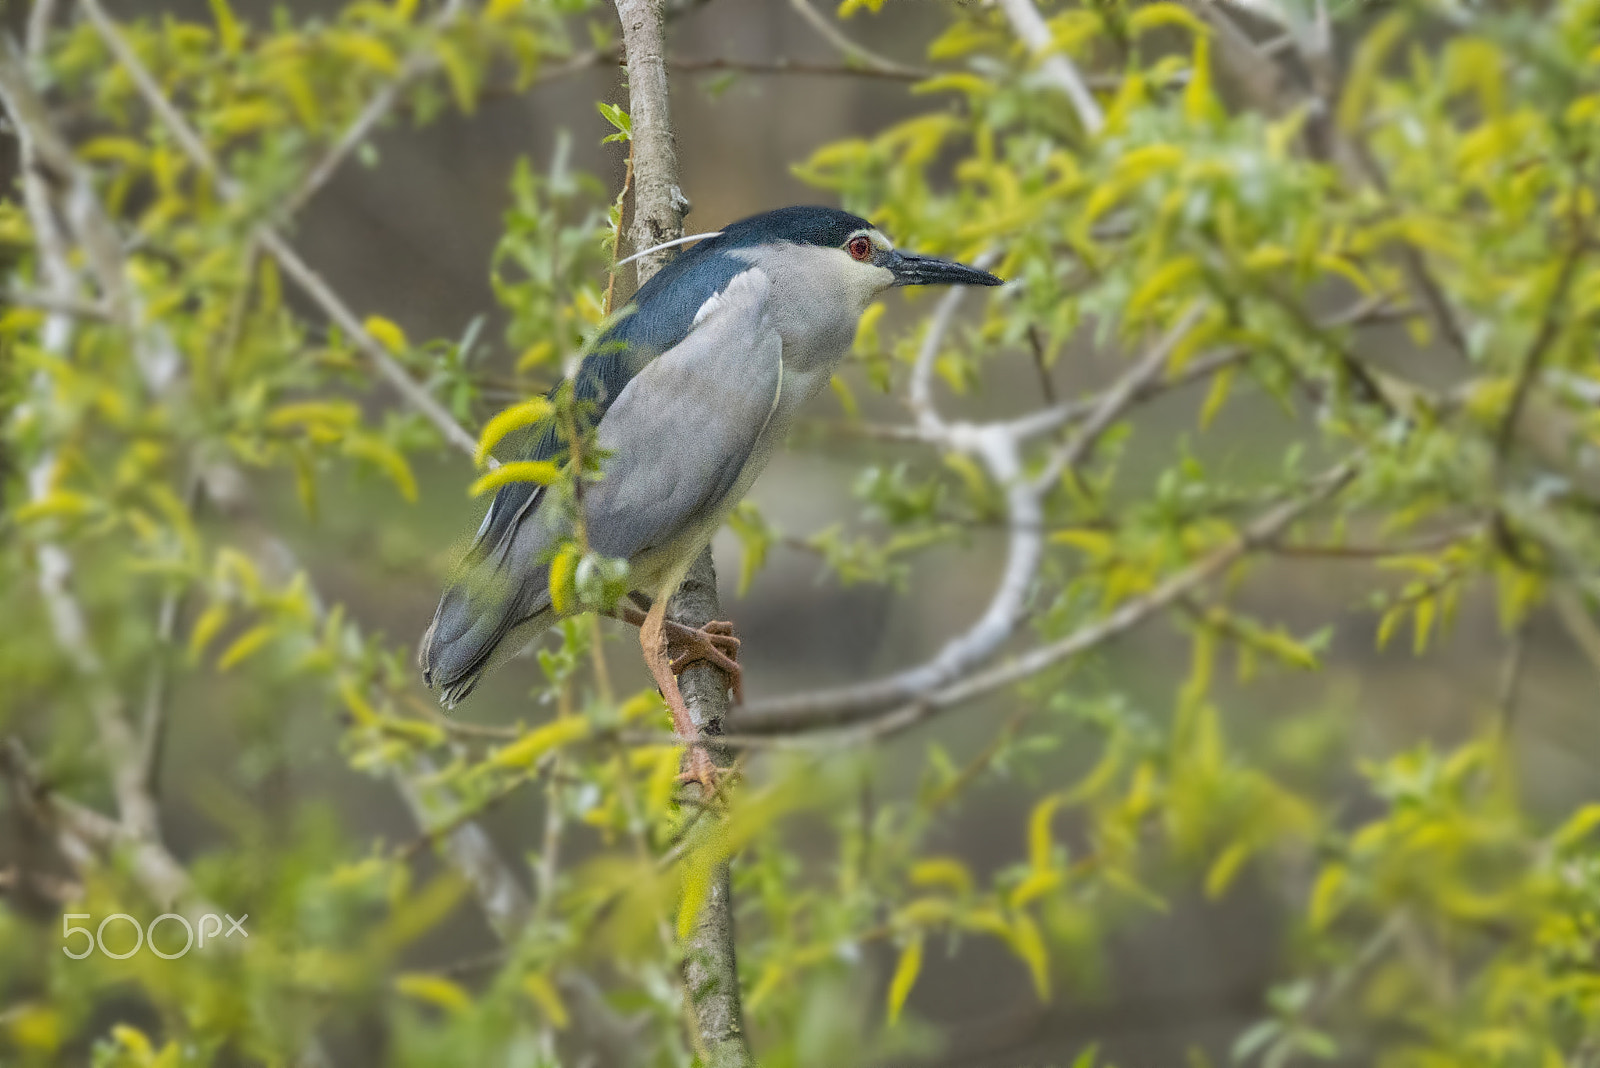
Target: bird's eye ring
{"points": [[860, 247]]}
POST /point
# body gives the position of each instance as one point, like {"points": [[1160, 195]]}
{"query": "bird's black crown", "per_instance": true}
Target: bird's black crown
{"points": [[803, 224]]}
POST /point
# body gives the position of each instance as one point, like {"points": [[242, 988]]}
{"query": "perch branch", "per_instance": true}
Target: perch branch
{"points": [[710, 971]]}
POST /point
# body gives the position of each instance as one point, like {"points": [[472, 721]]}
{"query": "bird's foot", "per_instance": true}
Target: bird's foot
{"points": [[702, 770], [714, 644]]}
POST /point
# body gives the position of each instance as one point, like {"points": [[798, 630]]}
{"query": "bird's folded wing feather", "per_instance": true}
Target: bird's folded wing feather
{"points": [[684, 427]]}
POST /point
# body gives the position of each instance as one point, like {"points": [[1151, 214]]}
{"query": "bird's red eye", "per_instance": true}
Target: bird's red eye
{"points": [[860, 247]]}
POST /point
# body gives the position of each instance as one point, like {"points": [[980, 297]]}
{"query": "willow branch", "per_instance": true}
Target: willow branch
{"points": [[303, 276], [1124, 618]]}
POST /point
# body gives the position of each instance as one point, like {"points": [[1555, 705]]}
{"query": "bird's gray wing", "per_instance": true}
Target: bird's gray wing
{"points": [[684, 427], [679, 431], [660, 316]]}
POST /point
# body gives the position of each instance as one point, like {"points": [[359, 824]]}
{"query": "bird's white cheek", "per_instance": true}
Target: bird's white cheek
{"points": [[865, 281]]}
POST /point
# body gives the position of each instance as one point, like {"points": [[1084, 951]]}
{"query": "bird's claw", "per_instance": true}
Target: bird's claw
{"points": [[714, 644], [702, 770]]}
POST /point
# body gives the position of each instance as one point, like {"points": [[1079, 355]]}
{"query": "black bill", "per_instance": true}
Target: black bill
{"points": [[913, 270]]}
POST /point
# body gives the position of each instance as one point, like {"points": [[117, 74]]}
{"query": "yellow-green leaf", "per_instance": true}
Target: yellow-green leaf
{"points": [[434, 990], [513, 418], [211, 621], [941, 871], [905, 976], [386, 333], [1027, 943], [526, 751], [228, 29], [246, 645], [541, 471], [562, 570], [1041, 844]]}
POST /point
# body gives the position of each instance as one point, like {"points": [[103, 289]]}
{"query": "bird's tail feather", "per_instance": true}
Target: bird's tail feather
{"points": [[479, 623]]}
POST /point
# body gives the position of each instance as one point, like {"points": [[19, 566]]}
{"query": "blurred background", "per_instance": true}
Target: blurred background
{"points": [[412, 238]]}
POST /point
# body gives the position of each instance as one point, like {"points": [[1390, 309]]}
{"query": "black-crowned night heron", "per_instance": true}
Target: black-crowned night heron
{"points": [[693, 391]]}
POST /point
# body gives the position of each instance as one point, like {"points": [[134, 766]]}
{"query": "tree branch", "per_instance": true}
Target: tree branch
{"points": [[710, 970], [658, 203], [1128, 615]]}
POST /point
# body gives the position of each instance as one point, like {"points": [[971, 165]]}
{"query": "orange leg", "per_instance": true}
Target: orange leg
{"points": [[652, 639], [714, 643]]}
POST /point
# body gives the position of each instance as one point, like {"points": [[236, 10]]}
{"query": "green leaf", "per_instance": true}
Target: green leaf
{"points": [[526, 751], [619, 119]]}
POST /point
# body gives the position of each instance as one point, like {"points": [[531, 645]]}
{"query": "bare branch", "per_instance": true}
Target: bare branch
{"points": [[658, 202], [783, 65], [1253, 65], [86, 838], [469, 849], [1048, 419], [1061, 71], [55, 302], [1126, 616], [1116, 400]]}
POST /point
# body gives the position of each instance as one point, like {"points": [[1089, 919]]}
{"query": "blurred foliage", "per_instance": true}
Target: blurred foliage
{"points": [[1443, 181]]}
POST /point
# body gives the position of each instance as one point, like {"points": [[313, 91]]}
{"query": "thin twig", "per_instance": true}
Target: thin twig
{"points": [[861, 54], [1549, 329], [1579, 625], [1511, 679]]}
